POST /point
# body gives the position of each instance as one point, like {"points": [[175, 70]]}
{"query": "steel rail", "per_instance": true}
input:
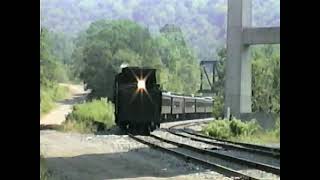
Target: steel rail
{"points": [[227, 146], [224, 170], [253, 164], [273, 150]]}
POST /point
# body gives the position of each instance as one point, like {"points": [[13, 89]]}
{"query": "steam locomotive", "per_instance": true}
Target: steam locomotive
{"points": [[140, 105]]}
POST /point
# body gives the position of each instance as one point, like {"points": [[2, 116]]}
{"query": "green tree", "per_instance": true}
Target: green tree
{"points": [[51, 67], [108, 44], [266, 79]]}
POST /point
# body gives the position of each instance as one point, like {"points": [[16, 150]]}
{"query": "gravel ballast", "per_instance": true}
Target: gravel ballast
{"points": [[77, 156]]}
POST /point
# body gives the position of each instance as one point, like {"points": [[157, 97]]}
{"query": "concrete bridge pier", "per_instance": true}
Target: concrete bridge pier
{"points": [[240, 35], [238, 65]]}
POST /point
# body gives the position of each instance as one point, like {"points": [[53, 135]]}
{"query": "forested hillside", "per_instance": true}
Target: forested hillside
{"points": [[203, 22]]}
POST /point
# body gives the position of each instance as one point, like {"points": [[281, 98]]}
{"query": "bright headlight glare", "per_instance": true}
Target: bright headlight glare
{"points": [[141, 84]]}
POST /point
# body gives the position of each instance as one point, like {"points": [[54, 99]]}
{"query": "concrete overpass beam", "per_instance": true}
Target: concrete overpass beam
{"points": [[265, 35]]}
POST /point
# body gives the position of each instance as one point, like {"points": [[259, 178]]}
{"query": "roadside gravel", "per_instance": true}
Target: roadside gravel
{"points": [[112, 156]]}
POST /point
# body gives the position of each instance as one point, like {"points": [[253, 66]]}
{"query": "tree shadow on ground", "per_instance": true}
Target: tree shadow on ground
{"points": [[50, 127], [74, 100], [131, 164], [136, 163]]}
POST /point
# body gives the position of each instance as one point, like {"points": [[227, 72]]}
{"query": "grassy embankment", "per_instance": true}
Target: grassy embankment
{"points": [[249, 132], [51, 94], [84, 117]]}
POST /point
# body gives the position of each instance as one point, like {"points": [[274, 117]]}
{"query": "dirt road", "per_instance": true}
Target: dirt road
{"points": [[57, 116]]}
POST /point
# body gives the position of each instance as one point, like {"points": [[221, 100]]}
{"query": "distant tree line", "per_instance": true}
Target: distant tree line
{"points": [[202, 21]]}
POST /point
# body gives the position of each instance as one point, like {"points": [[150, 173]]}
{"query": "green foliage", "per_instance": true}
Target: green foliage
{"points": [[248, 131], [226, 129], [219, 129], [49, 94], [46, 103], [84, 127], [83, 117], [218, 107], [261, 136], [276, 130], [203, 21], [52, 72], [108, 44], [54, 55], [266, 79], [238, 127]]}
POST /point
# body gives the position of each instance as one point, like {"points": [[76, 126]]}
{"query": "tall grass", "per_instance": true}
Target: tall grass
{"points": [[217, 110], [51, 94], [219, 129], [226, 129], [85, 117], [237, 130]]}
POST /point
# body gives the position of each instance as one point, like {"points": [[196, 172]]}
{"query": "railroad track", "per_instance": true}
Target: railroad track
{"points": [[193, 136], [261, 167], [222, 169], [258, 149]]}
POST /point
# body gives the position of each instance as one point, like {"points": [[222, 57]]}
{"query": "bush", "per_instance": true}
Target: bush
{"points": [[86, 117], [219, 129], [238, 127], [225, 129], [218, 107], [276, 129]]}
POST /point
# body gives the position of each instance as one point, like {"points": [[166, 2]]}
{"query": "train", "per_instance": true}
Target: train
{"points": [[141, 106], [181, 107]]}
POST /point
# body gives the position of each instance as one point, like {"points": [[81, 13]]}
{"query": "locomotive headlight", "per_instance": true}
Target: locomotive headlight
{"points": [[141, 84]]}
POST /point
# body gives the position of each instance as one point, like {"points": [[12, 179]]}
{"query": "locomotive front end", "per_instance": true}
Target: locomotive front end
{"points": [[137, 99]]}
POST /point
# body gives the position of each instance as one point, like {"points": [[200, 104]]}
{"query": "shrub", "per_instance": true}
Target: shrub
{"points": [[86, 117], [238, 127], [276, 129], [218, 107], [226, 129], [219, 129]]}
